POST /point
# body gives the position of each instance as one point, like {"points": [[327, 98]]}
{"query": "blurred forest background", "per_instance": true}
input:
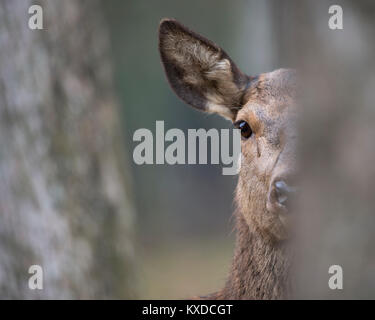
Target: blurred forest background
{"points": [[73, 201]]}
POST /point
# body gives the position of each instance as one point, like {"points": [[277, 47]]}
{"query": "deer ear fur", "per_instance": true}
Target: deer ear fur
{"points": [[199, 71]]}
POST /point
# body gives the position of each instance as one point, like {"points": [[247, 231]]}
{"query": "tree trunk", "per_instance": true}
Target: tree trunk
{"points": [[63, 201], [335, 206]]}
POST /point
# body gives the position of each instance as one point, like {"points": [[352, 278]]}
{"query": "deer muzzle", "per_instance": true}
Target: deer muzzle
{"points": [[280, 195]]}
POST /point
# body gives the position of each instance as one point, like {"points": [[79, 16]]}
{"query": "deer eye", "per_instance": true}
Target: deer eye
{"points": [[246, 131]]}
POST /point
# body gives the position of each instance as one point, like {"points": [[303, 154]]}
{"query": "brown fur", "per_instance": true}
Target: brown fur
{"points": [[204, 76], [259, 268], [200, 72]]}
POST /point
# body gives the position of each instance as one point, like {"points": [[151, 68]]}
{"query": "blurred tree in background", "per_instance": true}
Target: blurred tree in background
{"points": [[337, 151], [64, 203]]}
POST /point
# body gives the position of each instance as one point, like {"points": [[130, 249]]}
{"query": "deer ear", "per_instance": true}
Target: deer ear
{"points": [[199, 71]]}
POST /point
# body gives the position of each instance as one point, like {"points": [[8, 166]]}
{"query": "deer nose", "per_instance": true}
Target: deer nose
{"points": [[281, 193]]}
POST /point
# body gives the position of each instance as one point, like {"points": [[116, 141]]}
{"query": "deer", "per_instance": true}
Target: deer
{"points": [[263, 108]]}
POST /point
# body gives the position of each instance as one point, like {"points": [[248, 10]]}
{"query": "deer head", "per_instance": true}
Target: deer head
{"points": [[205, 77]]}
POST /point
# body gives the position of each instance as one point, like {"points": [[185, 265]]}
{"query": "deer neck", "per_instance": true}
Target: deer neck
{"points": [[260, 266]]}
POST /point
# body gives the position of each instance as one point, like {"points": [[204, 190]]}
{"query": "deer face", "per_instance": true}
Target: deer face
{"points": [[267, 123], [262, 107]]}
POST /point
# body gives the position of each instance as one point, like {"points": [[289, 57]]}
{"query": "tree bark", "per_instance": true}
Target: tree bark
{"points": [[335, 206], [63, 201]]}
